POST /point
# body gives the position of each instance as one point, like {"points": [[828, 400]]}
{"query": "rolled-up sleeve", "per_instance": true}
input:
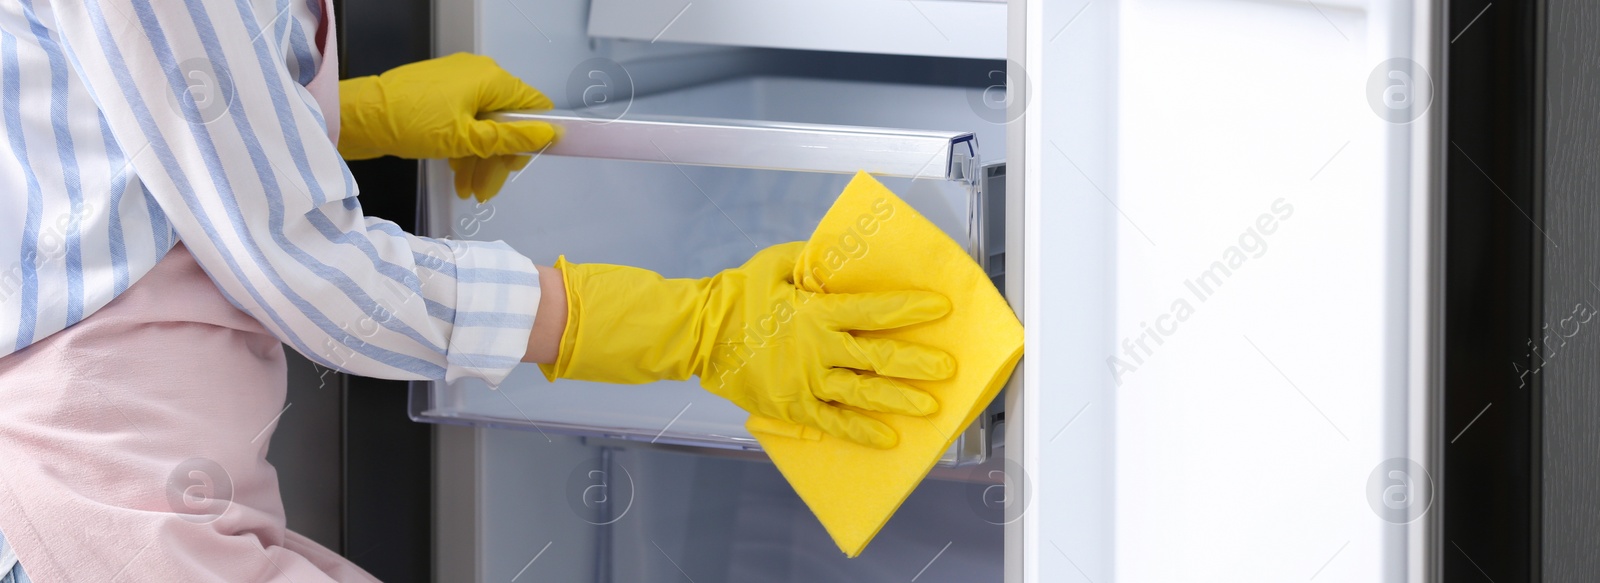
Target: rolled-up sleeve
{"points": [[236, 154]]}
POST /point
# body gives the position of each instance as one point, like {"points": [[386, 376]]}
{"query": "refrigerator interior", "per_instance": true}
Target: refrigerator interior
{"points": [[730, 519], [657, 516], [543, 504]]}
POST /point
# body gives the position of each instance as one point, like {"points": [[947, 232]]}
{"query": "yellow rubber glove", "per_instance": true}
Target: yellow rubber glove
{"points": [[754, 338], [429, 109], [481, 178]]}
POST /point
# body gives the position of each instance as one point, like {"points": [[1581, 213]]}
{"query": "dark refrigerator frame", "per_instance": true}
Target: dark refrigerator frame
{"points": [[1494, 201], [387, 460]]}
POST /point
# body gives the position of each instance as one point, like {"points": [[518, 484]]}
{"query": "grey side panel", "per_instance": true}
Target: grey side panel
{"points": [[305, 450], [1572, 215], [456, 533]]}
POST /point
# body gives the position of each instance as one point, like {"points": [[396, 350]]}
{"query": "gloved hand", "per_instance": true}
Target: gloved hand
{"points": [[429, 109], [754, 338], [481, 178]]}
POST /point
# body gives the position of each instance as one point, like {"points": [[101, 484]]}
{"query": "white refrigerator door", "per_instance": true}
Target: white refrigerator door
{"points": [[1231, 263]]}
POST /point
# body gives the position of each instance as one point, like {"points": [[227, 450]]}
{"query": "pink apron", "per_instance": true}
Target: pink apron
{"points": [[133, 444]]}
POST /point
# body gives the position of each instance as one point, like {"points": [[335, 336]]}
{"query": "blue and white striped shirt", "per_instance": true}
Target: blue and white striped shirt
{"points": [[130, 125]]}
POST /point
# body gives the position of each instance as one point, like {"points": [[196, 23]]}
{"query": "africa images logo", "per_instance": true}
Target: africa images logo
{"points": [[199, 490], [1252, 244]]}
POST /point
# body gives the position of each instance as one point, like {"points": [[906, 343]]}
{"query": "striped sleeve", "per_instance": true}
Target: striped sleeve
{"points": [[232, 147]]}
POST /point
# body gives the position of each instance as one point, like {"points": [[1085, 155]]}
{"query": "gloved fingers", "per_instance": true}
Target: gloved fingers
{"points": [[497, 88], [889, 357], [882, 310], [464, 169], [520, 162], [505, 91], [875, 393], [758, 423], [485, 138], [490, 175], [850, 425]]}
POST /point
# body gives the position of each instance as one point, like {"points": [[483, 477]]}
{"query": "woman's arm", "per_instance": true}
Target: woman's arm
{"points": [[236, 153], [544, 342]]}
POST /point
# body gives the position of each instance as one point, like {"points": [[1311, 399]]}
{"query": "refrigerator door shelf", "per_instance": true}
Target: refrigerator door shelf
{"points": [[690, 196], [760, 145]]}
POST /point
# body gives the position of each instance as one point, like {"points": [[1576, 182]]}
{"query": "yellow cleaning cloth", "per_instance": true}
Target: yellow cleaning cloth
{"points": [[873, 241]]}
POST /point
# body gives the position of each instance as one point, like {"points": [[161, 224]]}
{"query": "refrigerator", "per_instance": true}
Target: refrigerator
{"points": [[1279, 416]]}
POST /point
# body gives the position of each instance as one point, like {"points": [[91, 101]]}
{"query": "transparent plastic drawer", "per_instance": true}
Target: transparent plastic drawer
{"points": [[688, 197]]}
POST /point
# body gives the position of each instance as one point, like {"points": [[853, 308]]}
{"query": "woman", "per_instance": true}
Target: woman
{"points": [[174, 209]]}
